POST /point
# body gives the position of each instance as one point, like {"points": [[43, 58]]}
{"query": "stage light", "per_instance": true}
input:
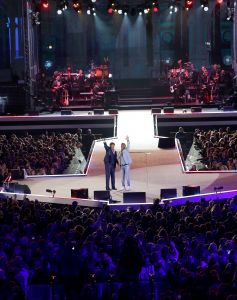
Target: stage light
{"points": [[59, 11], [110, 75], [155, 9], [146, 10], [93, 1], [125, 10], [204, 5], [76, 6], [48, 64], [229, 14], [219, 2], [44, 4], [94, 13], [88, 11], [120, 11], [64, 5], [173, 9], [50, 47], [188, 4], [140, 11], [109, 10]]}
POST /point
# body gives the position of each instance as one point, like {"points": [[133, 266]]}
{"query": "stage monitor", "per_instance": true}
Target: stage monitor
{"points": [[102, 195], [113, 112], [191, 190], [168, 193], [99, 111], [79, 193], [134, 197], [15, 187], [66, 112], [228, 108], [156, 110], [195, 109], [169, 110]]}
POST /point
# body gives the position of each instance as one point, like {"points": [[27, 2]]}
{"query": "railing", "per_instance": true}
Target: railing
{"points": [[132, 290]]}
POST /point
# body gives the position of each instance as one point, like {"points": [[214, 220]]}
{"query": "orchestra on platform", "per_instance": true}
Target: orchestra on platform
{"points": [[188, 84], [91, 84]]}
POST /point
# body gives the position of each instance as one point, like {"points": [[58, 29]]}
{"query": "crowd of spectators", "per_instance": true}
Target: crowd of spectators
{"points": [[41, 154], [218, 148], [187, 252]]}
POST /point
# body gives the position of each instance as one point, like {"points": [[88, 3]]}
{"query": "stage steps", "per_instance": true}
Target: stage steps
{"points": [[135, 93]]}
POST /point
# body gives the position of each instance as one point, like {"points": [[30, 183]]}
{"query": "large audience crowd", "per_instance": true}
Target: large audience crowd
{"points": [[42, 154], [178, 252], [218, 148]]}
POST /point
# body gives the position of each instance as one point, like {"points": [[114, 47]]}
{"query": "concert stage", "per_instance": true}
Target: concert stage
{"points": [[153, 168]]}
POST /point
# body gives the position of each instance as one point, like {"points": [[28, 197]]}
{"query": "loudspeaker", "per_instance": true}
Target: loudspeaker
{"points": [[113, 112], [66, 112], [156, 110], [15, 187], [102, 195], [168, 110], [17, 174], [79, 193], [111, 98], [99, 111], [134, 197], [168, 193], [166, 143], [33, 113], [228, 108], [196, 109], [191, 190]]}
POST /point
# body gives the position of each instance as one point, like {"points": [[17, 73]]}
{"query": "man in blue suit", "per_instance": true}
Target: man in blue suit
{"points": [[110, 161]]}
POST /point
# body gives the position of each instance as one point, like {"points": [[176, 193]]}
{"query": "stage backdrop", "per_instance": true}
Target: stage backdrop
{"points": [[137, 46]]}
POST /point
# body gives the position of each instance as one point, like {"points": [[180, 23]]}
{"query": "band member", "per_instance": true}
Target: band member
{"points": [[180, 64], [57, 90], [80, 80], [106, 61], [203, 76], [69, 80], [204, 80], [215, 73], [176, 86], [125, 163], [110, 161]]}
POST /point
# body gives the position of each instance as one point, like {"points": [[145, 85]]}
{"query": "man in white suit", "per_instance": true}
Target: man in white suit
{"points": [[125, 161]]}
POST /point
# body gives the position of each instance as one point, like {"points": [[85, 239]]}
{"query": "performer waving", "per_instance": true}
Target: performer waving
{"points": [[125, 161], [110, 161]]}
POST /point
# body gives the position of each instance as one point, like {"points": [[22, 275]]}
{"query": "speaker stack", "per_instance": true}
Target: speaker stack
{"points": [[102, 195], [189, 190], [168, 193], [195, 109], [99, 111], [79, 193], [66, 112], [169, 110], [156, 110], [134, 197]]}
